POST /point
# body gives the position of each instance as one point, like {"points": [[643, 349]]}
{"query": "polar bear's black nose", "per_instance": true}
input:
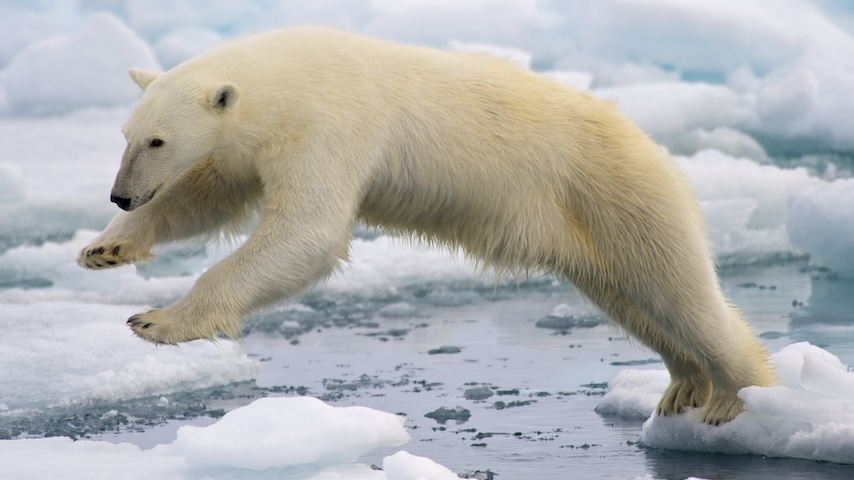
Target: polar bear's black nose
{"points": [[123, 203]]}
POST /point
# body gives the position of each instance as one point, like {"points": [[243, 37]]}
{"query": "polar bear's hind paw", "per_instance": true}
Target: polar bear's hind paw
{"points": [[682, 395], [167, 326], [153, 327], [722, 408]]}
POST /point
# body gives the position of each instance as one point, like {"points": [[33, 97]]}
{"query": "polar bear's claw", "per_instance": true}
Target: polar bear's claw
{"points": [[149, 326], [722, 408], [164, 326], [683, 394], [102, 256], [109, 255]]}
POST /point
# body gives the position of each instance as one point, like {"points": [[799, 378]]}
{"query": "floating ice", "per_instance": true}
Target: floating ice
{"points": [[665, 110], [744, 203], [796, 56], [518, 23], [405, 466], [154, 21], [279, 433], [19, 27], [11, 183], [810, 415], [184, 43], [723, 35], [58, 171], [60, 73], [86, 460], [633, 394], [821, 222], [298, 438], [59, 353], [770, 72], [386, 263], [53, 264], [726, 140]]}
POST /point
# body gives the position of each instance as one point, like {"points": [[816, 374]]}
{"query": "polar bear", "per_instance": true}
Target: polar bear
{"points": [[312, 129]]}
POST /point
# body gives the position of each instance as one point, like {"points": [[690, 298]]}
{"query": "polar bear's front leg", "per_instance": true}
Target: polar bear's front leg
{"points": [[215, 305], [303, 233], [283, 257]]}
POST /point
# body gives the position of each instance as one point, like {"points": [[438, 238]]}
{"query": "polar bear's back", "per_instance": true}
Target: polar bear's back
{"points": [[438, 133]]}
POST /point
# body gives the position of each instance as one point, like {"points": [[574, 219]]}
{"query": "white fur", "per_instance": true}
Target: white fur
{"points": [[315, 128]]}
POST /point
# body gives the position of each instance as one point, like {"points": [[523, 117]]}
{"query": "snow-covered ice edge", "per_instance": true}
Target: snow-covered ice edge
{"points": [[284, 438], [808, 415]]}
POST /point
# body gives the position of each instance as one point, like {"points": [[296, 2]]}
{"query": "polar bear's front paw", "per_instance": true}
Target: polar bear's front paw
{"points": [[102, 255]]}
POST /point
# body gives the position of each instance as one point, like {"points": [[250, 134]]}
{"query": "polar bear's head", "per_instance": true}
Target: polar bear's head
{"points": [[177, 122]]}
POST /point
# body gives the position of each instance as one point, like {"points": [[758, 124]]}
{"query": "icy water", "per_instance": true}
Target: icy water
{"points": [[489, 379]]}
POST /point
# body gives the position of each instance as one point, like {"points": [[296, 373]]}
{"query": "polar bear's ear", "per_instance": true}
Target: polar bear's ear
{"points": [[224, 97], [142, 77]]}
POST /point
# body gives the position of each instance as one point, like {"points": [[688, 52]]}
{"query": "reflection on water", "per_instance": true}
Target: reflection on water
{"points": [[826, 318], [795, 302], [668, 465], [831, 302]]}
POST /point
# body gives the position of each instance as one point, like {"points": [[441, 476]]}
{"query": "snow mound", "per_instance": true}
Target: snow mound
{"points": [[183, 44], [286, 432], [64, 72], [59, 353], [405, 466], [744, 203], [297, 438]]}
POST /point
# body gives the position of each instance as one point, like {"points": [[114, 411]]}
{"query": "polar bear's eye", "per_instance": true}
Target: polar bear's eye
{"points": [[155, 142]]}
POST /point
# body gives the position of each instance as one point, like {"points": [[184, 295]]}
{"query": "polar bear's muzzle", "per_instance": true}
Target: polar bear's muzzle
{"points": [[127, 204], [133, 184]]}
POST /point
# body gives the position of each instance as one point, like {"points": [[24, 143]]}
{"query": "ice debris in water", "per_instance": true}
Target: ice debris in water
{"points": [[443, 414], [565, 317], [444, 349], [297, 438], [478, 393]]}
